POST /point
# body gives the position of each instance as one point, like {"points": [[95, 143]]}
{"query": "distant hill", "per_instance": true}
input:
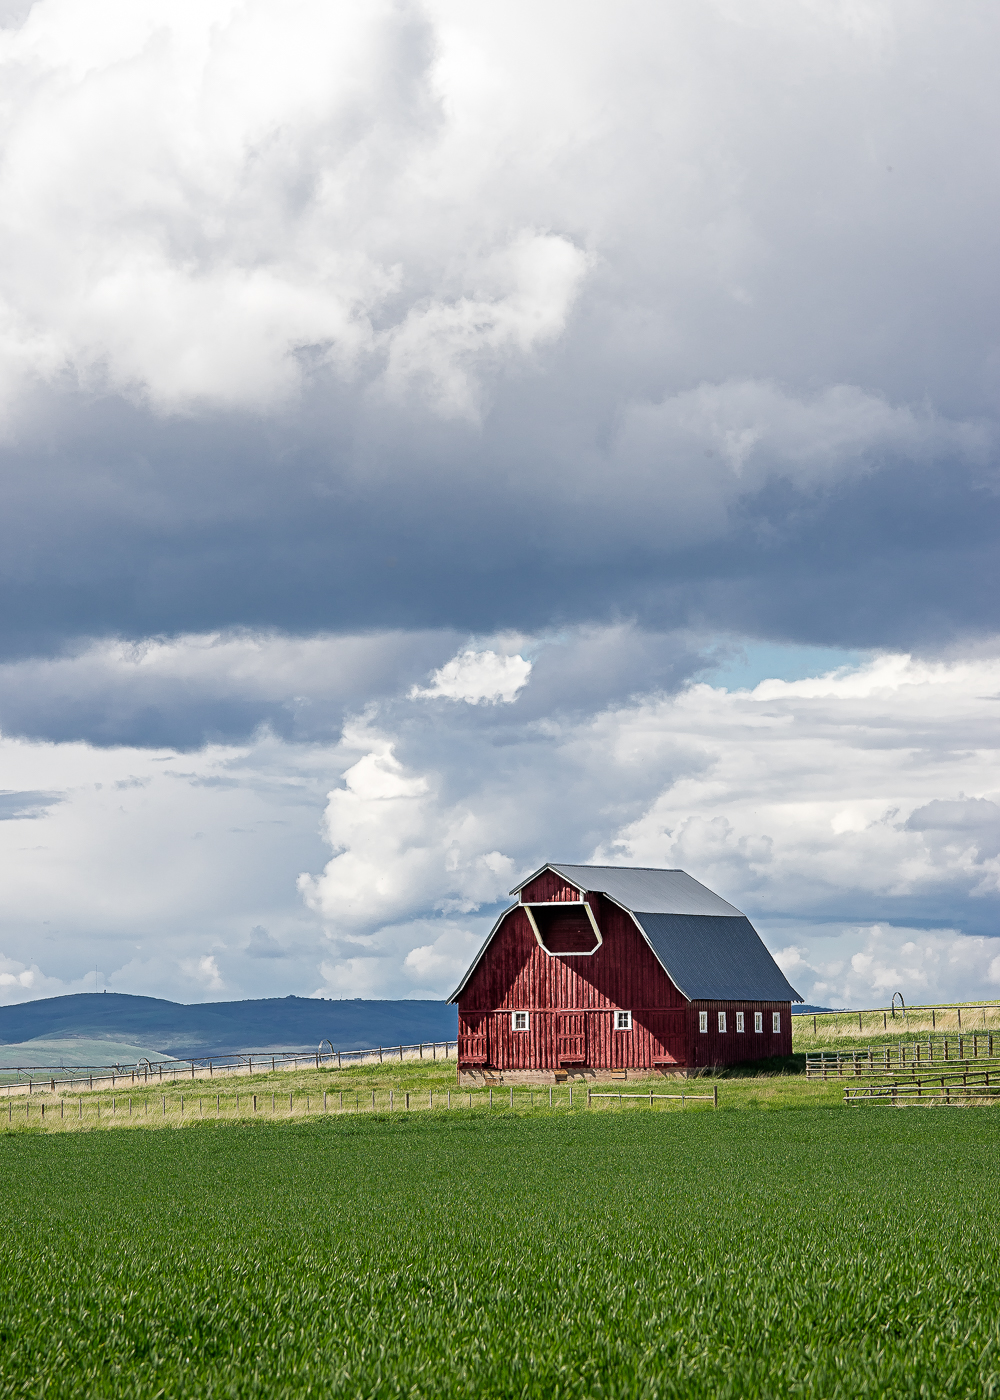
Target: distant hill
{"points": [[224, 1027], [811, 1010]]}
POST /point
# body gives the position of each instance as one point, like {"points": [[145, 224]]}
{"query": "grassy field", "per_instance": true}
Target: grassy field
{"points": [[620, 1254], [287, 1094], [832, 1030]]}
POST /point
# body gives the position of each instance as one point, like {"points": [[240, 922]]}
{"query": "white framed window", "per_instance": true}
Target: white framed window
{"points": [[739, 1023], [758, 1022], [623, 1020], [519, 1020], [722, 1023], [776, 1022], [703, 1022]]}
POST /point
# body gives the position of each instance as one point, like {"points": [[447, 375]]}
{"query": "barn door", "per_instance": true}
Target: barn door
{"points": [[666, 1030], [473, 1045], [571, 1038]]}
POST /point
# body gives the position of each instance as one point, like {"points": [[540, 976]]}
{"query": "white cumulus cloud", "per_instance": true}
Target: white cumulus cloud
{"points": [[477, 677]]}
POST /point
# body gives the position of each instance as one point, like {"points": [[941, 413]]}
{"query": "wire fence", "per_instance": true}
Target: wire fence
{"points": [[49, 1110], [30, 1079], [979, 1015]]}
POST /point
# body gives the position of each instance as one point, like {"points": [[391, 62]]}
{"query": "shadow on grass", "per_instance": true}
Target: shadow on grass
{"points": [[774, 1066]]}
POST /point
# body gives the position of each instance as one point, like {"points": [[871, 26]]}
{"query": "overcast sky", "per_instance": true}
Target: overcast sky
{"points": [[437, 438]]}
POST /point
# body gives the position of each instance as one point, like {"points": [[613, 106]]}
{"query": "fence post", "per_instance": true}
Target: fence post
{"points": [[959, 1018], [254, 1104], [588, 1096], [407, 1102], [715, 1094], [430, 1098], [400, 1054], [421, 1049], [164, 1105]]}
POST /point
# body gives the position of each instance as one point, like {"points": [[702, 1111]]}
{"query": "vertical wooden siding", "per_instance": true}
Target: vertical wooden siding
{"points": [[548, 886], [515, 974], [730, 1048]]}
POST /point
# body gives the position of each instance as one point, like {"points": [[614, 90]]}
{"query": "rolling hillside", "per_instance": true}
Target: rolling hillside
{"points": [[222, 1027]]}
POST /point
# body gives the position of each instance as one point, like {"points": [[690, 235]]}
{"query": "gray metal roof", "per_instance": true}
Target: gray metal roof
{"points": [[641, 887], [708, 949], [715, 958]]}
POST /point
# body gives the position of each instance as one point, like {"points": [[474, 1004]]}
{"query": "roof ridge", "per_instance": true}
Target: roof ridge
{"points": [[579, 865]]}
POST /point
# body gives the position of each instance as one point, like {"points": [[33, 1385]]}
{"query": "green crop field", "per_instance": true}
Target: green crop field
{"points": [[826, 1252]]}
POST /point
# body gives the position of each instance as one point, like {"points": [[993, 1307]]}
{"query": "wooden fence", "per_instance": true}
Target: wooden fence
{"points": [[29, 1079], [958, 1086], [712, 1098], [871, 1060], [46, 1110]]}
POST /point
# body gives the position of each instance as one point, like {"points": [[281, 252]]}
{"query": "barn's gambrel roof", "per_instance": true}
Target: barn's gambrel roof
{"points": [[707, 947]]}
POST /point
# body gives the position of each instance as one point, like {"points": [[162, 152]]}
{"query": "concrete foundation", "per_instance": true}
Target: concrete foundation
{"points": [[577, 1074]]}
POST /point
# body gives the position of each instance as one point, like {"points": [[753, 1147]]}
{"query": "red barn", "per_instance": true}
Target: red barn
{"points": [[603, 968]]}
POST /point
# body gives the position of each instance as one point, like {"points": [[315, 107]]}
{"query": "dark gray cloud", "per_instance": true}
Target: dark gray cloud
{"points": [[718, 354], [217, 528], [404, 337]]}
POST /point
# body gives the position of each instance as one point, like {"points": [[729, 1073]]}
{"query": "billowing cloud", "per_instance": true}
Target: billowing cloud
{"points": [[399, 848], [240, 195], [848, 965], [438, 316], [477, 676], [859, 799], [404, 411]]}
